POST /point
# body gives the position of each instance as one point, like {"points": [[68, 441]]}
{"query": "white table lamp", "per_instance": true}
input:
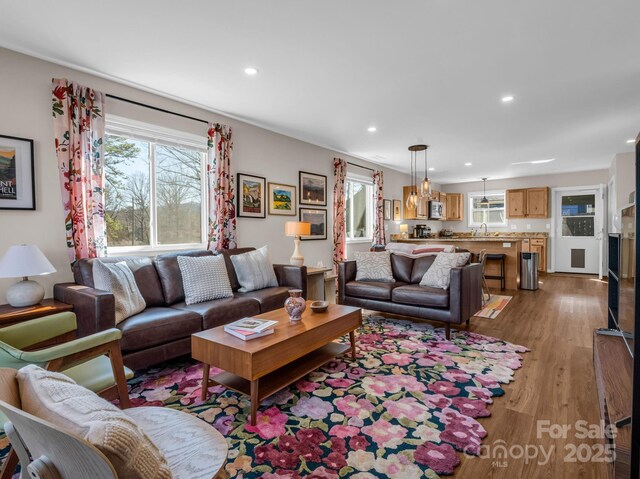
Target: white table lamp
{"points": [[297, 229], [24, 260]]}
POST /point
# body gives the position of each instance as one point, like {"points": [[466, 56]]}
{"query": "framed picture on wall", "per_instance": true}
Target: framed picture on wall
{"points": [[397, 210], [318, 220], [251, 196], [387, 209], [313, 189], [17, 178], [282, 199]]}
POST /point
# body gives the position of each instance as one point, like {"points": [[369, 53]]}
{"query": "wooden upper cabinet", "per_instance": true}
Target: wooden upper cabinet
{"points": [[538, 203], [528, 203], [407, 214], [454, 207], [435, 195]]}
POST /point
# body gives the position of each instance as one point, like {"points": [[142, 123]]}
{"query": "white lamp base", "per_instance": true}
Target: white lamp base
{"points": [[25, 293], [296, 258]]}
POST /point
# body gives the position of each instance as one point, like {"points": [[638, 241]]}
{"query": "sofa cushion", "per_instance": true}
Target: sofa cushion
{"points": [[118, 279], [156, 326], [254, 270], [371, 289], [221, 311], [143, 271], [374, 266], [417, 295], [56, 398], [439, 275], [170, 276], [204, 278], [269, 298], [227, 254], [401, 267], [420, 267]]}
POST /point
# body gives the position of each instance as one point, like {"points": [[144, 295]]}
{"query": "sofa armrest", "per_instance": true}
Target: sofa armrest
{"points": [[294, 277], [346, 273], [94, 309], [465, 292]]}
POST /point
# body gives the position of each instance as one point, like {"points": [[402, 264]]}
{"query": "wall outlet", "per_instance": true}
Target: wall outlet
{"points": [[548, 226], [506, 245], [514, 227], [528, 226]]}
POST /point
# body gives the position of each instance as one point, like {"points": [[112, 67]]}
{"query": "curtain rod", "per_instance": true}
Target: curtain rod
{"points": [[133, 102], [363, 167]]}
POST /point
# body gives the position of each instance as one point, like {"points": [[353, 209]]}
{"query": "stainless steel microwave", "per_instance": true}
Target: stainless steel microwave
{"points": [[436, 210]]}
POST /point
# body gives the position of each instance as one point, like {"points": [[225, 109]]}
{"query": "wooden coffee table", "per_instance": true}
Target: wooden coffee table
{"points": [[262, 366]]}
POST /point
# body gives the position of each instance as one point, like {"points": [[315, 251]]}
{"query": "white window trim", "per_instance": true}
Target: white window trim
{"points": [[474, 194], [138, 130], [370, 215]]}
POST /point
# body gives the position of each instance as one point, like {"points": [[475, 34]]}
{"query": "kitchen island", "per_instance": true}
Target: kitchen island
{"points": [[510, 246]]}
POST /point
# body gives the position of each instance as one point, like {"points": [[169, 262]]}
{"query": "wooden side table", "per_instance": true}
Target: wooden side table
{"points": [[315, 283], [11, 315]]}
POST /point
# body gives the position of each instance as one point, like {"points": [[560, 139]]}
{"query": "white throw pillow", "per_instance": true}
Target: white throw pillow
{"points": [[439, 274], [374, 266], [118, 279], [204, 278], [254, 270], [56, 398]]}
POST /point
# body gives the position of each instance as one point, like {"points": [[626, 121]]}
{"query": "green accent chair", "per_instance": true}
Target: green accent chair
{"points": [[93, 361]]}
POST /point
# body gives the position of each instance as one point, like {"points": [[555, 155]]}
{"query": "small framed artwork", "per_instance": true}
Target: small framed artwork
{"points": [[387, 209], [397, 210], [313, 189], [251, 196], [282, 199], [318, 220], [17, 177]]}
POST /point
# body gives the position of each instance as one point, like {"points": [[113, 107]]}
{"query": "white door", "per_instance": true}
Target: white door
{"points": [[579, 231]]}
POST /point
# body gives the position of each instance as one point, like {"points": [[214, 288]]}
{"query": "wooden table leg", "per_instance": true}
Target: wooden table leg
{"points": [[10, 464], [205, 381], [352, 337], [254, 401]]}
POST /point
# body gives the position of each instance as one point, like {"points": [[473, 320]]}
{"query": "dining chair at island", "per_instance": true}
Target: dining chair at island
{"points": [[297, 229], [25, 260]]}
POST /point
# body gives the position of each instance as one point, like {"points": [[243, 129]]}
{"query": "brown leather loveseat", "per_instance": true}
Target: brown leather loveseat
{"points": [[406, 297], [163, 330]]}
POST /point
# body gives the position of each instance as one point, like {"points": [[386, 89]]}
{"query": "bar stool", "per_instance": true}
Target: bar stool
{"points": [[482, 259], [499, 257]]}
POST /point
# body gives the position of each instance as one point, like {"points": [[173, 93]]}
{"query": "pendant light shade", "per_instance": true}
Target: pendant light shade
{"points": [[484, 201], [425, 186]]}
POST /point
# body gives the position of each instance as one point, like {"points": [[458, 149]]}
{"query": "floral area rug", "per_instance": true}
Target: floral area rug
{"points": [[407, 408]]}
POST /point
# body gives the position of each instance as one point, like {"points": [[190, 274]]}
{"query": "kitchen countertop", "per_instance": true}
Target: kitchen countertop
{"points": [[462, 240]]}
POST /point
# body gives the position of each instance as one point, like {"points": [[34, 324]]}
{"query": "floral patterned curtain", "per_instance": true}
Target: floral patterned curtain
{"points": [[222, 210], [339, 228], [78, 127], [378, 201]]}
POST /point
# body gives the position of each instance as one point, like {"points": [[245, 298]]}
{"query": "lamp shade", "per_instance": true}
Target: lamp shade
{"points": [[297, 228], [404, 228], [24, 260]]}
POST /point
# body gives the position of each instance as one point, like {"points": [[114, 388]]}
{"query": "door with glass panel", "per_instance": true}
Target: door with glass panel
{"points": [[579, 224]]}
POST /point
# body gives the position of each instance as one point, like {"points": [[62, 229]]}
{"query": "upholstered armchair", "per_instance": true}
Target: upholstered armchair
{"points": [[93, 361]]}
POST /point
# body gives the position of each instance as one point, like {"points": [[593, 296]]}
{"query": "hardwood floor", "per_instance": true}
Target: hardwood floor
{"points": [[555, 384]]}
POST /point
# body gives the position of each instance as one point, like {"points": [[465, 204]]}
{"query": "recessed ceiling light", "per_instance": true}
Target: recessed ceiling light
{"points": [[371, 129], [251, 71], [467, 164], [534, 162], [507, 98], [631, 141], [431, 169]]}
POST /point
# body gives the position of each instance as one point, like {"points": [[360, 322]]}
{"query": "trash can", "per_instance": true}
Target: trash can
{"points": [[529, 271]]}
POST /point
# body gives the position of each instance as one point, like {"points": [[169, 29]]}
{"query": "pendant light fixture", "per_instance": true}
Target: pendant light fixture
{"points": [[425, 186], [414, 197], [484, 201]]}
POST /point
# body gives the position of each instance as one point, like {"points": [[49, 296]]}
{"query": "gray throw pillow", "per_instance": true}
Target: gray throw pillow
{"points": [[374, 266], [254, 270], [204, 278], [118, 279], [439, 274]]}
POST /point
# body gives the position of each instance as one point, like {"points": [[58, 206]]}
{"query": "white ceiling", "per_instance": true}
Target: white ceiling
{"points": [[430, 71]]}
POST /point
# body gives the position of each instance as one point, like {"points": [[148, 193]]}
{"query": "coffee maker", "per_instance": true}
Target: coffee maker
{"points": [[422, 231]]}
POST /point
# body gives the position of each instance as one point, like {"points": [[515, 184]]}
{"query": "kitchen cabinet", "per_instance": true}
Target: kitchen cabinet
{"points": [[528, 203], [537, 245], [454, 207]]}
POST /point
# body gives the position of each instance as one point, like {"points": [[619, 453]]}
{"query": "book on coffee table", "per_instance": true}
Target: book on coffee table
{"points": [[246, 336], [251, 325]]}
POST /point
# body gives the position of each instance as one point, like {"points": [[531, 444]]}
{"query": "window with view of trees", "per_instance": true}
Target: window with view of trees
{"points": [[153, 193], [359, 210]]}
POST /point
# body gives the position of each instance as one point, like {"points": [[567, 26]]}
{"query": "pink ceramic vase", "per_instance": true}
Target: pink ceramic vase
{"points": [[295, 304]]}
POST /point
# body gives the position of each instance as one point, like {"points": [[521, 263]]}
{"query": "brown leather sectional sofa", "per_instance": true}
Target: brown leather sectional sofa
{"points": [[406, 297], [163, 330]]}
